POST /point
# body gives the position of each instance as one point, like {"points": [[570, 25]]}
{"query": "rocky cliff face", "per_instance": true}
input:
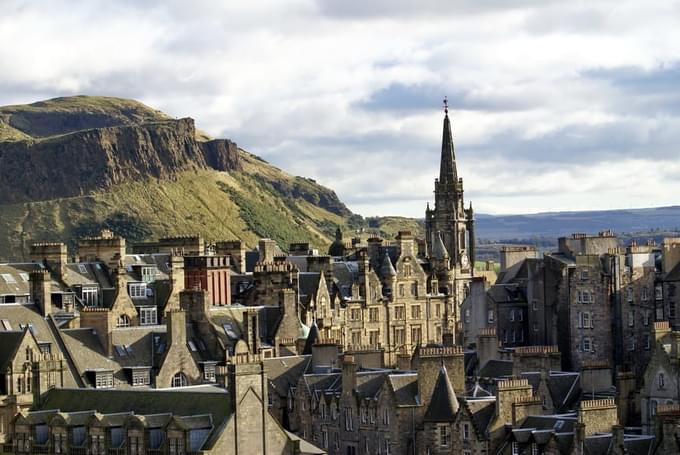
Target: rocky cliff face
{"points": [[80, 162]]}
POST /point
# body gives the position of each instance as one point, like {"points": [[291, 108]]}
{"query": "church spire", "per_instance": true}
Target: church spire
{"points": [[447, 169]]}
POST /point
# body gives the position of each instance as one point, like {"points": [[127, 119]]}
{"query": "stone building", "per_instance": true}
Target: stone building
{"points": [[153, 422]]}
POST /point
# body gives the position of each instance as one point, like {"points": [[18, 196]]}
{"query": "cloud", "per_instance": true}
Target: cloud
{"points": [[555, 105]]}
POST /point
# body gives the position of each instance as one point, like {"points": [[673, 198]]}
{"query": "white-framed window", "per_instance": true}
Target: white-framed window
{"points": [[645, 317], [179, 380], [629, 293], [123, 321], [137, 290], [140, 377], [148, 315], [658, 292], [586, 344], [645, 294], [90, 295], [444, 436], [386, 416], [24, 276], [104, 380], [515, 448], [520, 315], [149, 274], [585, 274], [82, 268], [631, 318], [512, 315]]}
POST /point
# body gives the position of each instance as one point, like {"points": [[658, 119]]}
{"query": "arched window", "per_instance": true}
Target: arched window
{"points": [[123, 321], [179, 380]]}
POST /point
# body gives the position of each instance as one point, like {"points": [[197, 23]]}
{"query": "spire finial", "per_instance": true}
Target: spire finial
{"points": [[446, 105]]}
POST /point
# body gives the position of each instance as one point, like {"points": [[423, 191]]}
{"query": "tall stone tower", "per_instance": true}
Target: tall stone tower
{"points": [[451, 222]]}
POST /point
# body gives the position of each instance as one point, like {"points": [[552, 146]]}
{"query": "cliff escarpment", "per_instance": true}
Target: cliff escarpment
{"points": [[77, 163]]}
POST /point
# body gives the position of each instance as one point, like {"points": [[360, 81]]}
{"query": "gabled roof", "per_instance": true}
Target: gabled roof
{"points": [[9, 344], [444, 405], [405, 388]]}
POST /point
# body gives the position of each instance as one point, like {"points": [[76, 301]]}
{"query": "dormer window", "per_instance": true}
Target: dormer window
{"points": [[137, 290], [123, 321], [103, 379], [179, 380]]}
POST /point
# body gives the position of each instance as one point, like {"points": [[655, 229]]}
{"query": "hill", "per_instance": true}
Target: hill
{"points": [[71, 166]]}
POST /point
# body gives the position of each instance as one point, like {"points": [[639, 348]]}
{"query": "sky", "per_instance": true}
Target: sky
{"points": [[555, 105]]}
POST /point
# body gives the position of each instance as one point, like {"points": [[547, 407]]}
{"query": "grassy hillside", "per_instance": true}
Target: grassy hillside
{"points": [[217, 205]]}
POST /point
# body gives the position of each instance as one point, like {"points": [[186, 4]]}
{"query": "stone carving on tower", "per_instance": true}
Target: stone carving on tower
{"points": [[449, 226]]}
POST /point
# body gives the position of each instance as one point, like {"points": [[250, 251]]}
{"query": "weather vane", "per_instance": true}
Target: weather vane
{"points": [[446, 105]]}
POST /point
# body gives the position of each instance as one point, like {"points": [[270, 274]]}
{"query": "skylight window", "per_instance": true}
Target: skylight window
{"points": [[8, 278], [24, 276], [82, 268]]}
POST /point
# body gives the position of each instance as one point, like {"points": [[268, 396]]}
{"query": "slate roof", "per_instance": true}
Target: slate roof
{"points": [[9, 343], [674, 274], [482, 411], [564, 389], [506, 293], [153, 404], [496, 369], [308, 285], [444, 404], [285, 372], [405, 388], [78, 273], [312, 337]]}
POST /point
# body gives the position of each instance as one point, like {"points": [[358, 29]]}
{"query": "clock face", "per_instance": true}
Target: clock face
{"points": [[464, 259]]}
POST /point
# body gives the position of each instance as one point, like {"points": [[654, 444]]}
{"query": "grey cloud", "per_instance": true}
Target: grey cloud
{"points": [[351, 9], [421, 97]]}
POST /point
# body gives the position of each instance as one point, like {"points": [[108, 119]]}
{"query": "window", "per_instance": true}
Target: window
{"points": [[89, 296], [149, 274], [9, 278], [137, 290], [176, 446], [645, 317], [631, 318], [386, 416], [534, 304], [140, 377], [147, 316], [209, 373], [515, 449], [467, 314], [416, 335], [59, 442], [355, 314], [648, 342], [179, 380], [356, 337], [658, 292], [438, 311], [136, 444], [97, 445], [520, 315], [123, 321], [414, 289], [349, 426], [374, 314], [466, 431], [415, 311], [645, 294], [512, 315], [82, 268], [629, 292], [399, 312], [24, 276], [489, 316], [399, 338], [631, 346], [586, 344], [324, 438], [401, 290], [444, 436], [585, 320], [662, 380], [5, 325], [584, 275], [104, 380]]}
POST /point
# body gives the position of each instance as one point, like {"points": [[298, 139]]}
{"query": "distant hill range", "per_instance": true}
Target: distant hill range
{"points": [[557, 224]]}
